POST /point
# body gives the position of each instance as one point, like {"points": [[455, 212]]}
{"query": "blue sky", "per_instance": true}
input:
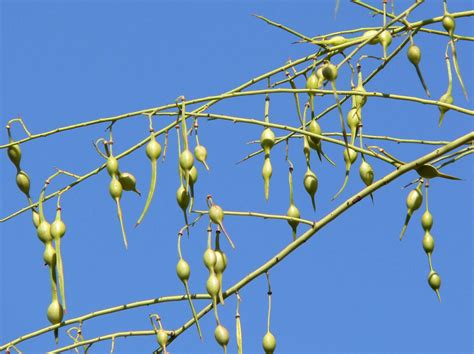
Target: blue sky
{"points": [[353, 288]]}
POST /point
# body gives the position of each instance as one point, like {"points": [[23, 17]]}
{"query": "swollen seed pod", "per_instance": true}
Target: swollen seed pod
{"points": [[182, 197], [193, 175], [330, 72], [44, 231], [112, 166], [212, 285], [336, 40], [314, 128], [427, 220], [209, 258], [366, 173], [360, 100], [269, 343], [221, 262], [434, 280], [293, 212], [186, 160], [446, 98], [311, 185], [267, 140], [36, 218], [222, 335], [153, 149], [312, 83], [183, 270], [201, 154], [162, 338], [267, 174], [350, 156], [58, 229], [385, 39], [216, 214], [428, 243], [449, 24], [14, 154], [128, 182], [49, 254], [23, 182], [55, 312], [413, 202], [353, 121], [371, 33], [414, 54], [115, 188]]}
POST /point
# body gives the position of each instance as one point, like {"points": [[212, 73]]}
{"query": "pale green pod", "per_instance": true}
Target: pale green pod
{"points": [[55, 312], [371, 33], [23, 182], [269, 343], [330, 72], [44, 232], [310, 183], [267, 140], [267, 174], [428, 243], [186, 160], [427, 220]]}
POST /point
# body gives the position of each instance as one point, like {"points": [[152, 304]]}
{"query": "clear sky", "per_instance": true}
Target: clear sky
{"points": [[353, 288]]}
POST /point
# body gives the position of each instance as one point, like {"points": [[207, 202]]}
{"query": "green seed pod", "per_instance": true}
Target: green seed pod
{"points": [[293, 212], [201, 154], [58, 229], [209, 258], [359, 101], [183, 270], [267, 174], [427, 220], [23, 182], [35, 218], [115, 188], [55, 312], [112, 166], [14, 154], [312, 83], [446, 98], [385, 39], [414, 200], [428, 243], [434, 280], [162, 338], [314, 128], [371, 33], [186, 160], [330, 72], [336, 40], [353, 119], [311, 185], [182, 197], [153, 149], [366, 173], [128, 182], [49, 254], [267, 140], [221, 262], [350, 157], [449, 24], [269, 343], [222, 335], [320, 76], [213, 285], [193, 175], [216, 214], [414, 54], [44, 232]]}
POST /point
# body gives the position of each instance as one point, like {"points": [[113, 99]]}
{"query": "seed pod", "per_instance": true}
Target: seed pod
{"points": [[350, 156], [183, 270], [216, 214], [267, 174], [311, 185], [449, 24], [312, 83], [267, 140], [115, 188], [336, 40], [293, 212], [446, 98], [353, 121], [427, 220], [112, 166], [330, 72], [314, 128], [385, 39], [414, 54], [36, 218], [44, 231], [153, 149], [14, 154], [201, 154], [23, 182], [162, 338], [428, 243], [222, 335], [128, 182], [360, 100], [212, 285], [366, 173], [434, 280], [269, 343], [186, 160], [371, 33], [193, 175], [182, 197], [58, 229], [49, 254], [414, 200], [55, 312], [209, 258]]}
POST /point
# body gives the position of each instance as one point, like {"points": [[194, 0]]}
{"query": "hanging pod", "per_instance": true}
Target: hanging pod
{"points": [[44, 232], [14, 154], [115, 191], [221, 334], [219, 268], [112, 166], [449, 24], [312, 82], [413, 202], [366, 173], [428, 243], [370, 34], [35, 218], [429, 171], [186, 160], [310, 183], [269, 343], [128, 182], [216, 214], [360, 100], [353, 121], [55, 312], [213, 285], [49, 254], [267, 140], [447, 97], [23, 182], [350, 156], [58, 230], [414, 56], [183, 198], [162, 338], [385, 39], [427, 220], [434, 280], [200, 152], [293, 211]]}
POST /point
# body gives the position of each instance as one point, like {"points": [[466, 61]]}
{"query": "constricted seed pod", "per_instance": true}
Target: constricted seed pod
{"points": [[183, 270], [182, 197], [55, 312], [350, 156], [446, 98], [49, 254], [427, 220], [115, 188], [267, 174], [312, 83], [209, 258], [360, 100], [58, 229], [428, 243], [162, 338], [434, 280], [269, 343], [193, 175], [35, 218], [293, 212], [314, 128], [14, 154], [128, 182], [413, 202], [153, 150], [330, 72], [216, 214], [385, 39], [44, 231], [212, 285], [366, 173], [201, 155], [336, 40], [23, 182], [369, 34], [267, 140], [112, 166], [222, 335], [186, 160], [414, 54], [311, 185], [221, 262], [353, 121], [449, 24]]}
